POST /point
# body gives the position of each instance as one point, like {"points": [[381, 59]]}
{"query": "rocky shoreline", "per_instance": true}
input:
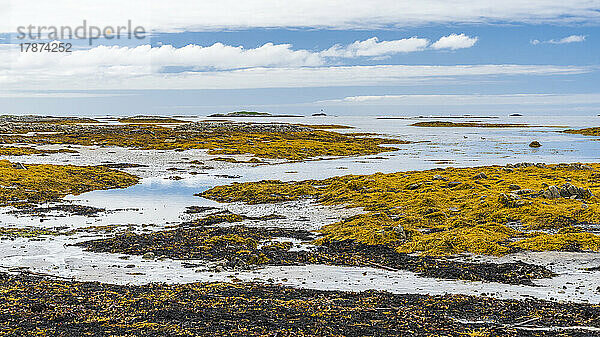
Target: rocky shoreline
{"points": [[30, 304], [449, 227]]}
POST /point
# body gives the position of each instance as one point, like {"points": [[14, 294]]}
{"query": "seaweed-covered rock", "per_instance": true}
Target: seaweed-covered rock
{"points": [[511, 200], [567, 190], [523, 165], [19, 166]]}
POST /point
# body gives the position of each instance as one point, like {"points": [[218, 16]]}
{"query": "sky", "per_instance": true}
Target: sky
{"points": [[378, 57]]}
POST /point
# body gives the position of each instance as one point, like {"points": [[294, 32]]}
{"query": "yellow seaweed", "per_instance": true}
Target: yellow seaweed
{"points": [[483, 210]]}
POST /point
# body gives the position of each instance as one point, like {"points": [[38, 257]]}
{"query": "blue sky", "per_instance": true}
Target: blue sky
{"points": [[347, 58]]}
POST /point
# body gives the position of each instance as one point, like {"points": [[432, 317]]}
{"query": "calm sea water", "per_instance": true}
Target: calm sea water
{"points": [[159, 200]]}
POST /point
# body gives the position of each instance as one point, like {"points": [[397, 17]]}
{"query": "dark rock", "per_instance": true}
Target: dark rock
{"points": [[523, 191], [480, 175], [535, 144], [198, 209], [399, 230], [413, 186], [567, 190], [524, 165], [511, 200]]}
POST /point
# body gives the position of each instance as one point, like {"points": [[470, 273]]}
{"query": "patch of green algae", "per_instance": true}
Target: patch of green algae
{"points": [[42, 183], [296, 145], [448, 211]]}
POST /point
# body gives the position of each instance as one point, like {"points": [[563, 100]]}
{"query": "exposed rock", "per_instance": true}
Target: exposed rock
{"points": [[567, 190], [123, 165], [19, 166], [523, 165], [535, 144], [399, 230], [480, 175], [438, 177], [511, 200], [514, 187], [198, 209], [523, 191], [454, 184], [413, 186], [551, 192], [148, 256], [575, 166], [240, 127]]}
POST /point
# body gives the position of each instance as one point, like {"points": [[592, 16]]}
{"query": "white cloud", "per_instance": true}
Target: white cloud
{"points": [[454, 41], [568, 39], [461, 100], [33, 94], [145, 58], [217, 56], [374, 48], [340, 14], [91, 77], [227, 67]]}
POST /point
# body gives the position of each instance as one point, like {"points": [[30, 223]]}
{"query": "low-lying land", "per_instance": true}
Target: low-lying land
{"points": [[239, 247], [33, 306], [149, 120], [325, 126], [484, 210], [586, 132], [249, 114], [439, 124], [266, 140], [27, 151], [34, 119], [22, 185]]}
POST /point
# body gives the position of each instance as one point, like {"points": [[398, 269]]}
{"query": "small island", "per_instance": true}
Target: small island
{"points": [[249, 114]]}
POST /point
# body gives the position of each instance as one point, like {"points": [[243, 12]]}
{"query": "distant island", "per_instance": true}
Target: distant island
{"points": [[249, 114]]}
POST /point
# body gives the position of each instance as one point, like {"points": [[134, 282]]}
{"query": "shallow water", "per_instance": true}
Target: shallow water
{"points": [[160, 201]]}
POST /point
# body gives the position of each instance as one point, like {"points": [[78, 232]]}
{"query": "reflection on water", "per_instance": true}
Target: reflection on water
{"points": [[146, 203]]}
